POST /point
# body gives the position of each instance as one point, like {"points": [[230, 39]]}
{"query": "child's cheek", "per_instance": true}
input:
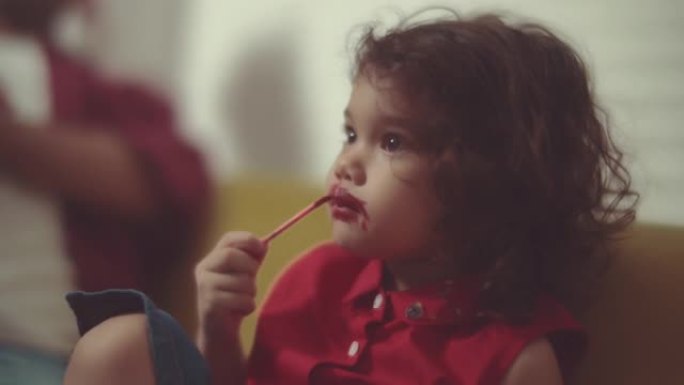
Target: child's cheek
{"points": [[410, 168]]}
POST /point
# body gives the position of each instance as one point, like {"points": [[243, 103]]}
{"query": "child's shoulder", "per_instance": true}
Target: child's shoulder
{"points": [[550, 321], [548, 318]]}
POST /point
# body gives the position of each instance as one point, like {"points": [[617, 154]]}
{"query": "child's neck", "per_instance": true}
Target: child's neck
{"points": [[417, 272]]}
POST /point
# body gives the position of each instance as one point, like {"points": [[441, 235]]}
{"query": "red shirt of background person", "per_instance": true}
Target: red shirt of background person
{"points": [[475, 159], [97, 190], [132, 190]]}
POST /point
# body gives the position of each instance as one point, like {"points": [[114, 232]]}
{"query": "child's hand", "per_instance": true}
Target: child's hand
{"points": [[226, 286]]}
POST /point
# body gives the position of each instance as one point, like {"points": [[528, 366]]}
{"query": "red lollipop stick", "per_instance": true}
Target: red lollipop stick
{"points": [[308, 209]]}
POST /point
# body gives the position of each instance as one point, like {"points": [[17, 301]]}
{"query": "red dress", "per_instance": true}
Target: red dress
{"points": [[329, 321]]}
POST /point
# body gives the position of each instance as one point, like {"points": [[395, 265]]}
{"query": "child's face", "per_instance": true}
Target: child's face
{"points": [[385, 206]]}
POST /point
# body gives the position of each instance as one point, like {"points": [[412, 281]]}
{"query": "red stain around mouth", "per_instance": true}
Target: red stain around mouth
{"points": [[347, 207]]}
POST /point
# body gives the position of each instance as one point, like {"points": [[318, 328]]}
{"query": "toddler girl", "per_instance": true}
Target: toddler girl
{"points": [[472, 204]]}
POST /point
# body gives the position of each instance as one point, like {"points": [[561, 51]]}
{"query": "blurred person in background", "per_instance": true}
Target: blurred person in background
{"points": [[97, 189]]}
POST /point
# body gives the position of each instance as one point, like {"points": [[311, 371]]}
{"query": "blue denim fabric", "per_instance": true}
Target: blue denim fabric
{"points": [[176, 359], [20, 366]]}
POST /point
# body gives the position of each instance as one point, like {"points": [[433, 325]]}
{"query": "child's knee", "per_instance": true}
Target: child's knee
{"points": [[114, 352]]}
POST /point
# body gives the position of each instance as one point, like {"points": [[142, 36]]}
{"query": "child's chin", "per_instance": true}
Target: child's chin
{"points": [[355, 246]]}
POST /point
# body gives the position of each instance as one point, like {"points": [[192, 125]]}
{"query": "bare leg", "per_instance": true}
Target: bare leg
{"points": [[114, 352]]}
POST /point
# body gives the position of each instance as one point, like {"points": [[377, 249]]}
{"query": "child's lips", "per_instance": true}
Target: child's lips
{"points": [[346, 206], [345, 214], [342, 198], [348, 202]]}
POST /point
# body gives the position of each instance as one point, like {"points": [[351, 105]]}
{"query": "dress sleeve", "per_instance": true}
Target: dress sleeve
{"points": [[553, 322]]}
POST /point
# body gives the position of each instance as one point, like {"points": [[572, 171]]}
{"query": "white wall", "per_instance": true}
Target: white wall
{"points": [[262, 84]]}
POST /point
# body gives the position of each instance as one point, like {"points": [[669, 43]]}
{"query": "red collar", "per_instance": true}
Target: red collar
{"points": [[446, 303], [368, 281]]}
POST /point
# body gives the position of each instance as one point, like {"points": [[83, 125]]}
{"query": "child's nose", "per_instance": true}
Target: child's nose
{"points": [[349, 167]]}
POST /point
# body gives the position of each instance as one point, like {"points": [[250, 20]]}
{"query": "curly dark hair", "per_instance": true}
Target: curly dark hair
{"points": [[534, 188]]}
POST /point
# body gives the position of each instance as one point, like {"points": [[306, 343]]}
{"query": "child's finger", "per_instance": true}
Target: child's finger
{"points": [[227, 261], [237, 283], [230, 303], [244, 241]]}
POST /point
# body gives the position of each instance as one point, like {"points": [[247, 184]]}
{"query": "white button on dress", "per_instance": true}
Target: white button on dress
{"points": [[353, 349], [377, 302]]}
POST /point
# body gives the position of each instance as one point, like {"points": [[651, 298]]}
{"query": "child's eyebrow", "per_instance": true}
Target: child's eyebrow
{"points": [[389, 120], [397, 122]]}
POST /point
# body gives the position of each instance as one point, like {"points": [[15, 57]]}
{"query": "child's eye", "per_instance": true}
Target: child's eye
{"points": [[350, 135], [391, 142]]}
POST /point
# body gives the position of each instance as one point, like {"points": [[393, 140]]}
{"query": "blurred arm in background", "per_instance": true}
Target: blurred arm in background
{"points": [[129, 193]]}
